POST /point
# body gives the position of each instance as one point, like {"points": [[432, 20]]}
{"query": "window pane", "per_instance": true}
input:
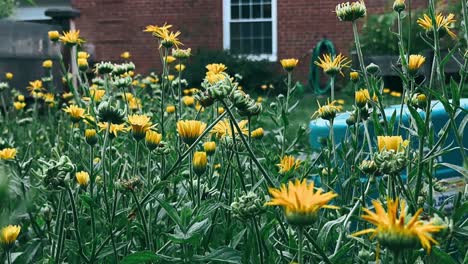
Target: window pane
{"points": [[235, 46], [246, 30], [267, 29], [257, 46], [245, 11], [235, 30], [234, 12], [245, 2], [267, 10], [256, 11], [246, 46], [267, 45], [234, 1], [257, 29]]}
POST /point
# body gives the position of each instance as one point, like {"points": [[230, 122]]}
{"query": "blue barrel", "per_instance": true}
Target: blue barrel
{"points": [[319, 128]]}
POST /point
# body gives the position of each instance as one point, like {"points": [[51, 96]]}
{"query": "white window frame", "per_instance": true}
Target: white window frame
{"points": [[274, 31]]}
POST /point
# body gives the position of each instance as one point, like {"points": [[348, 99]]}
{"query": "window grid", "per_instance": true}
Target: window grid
{"points": [[250, 27]]}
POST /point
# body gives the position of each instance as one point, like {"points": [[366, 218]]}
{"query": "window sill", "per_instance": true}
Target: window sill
{"points": [[259, 57]]}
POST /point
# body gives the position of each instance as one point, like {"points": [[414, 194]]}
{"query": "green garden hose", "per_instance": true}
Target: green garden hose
{"points": [[323, 46]]}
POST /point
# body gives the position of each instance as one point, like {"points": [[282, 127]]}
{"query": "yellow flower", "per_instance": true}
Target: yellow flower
{"points": [[134, 103], [170, 59], [415, 62], [216, 68], [90, 136], [170, 77], [49, 99], [170, 109], [395, 231], [399, 5], [67, 96], [362, 97], [258, 133], [75, 112], [9, 75], [220, 110], [82, 64], [19, 105], [199, 162], [190, 130], [35, 86], [47, 64], [259, 99], [395, 94], [289, 64], [301, 203], [8, 153], [327, 111], [223, 128], [386, 90], [340, 101], [179, 67], [53, 35], [20, 98], [332, 66], [443, 24], [125, 55], [351, 11], [140, 124], [354, 76], [213, 78], [71, 38], [170, 39], [209, 147], [114, 129], [395, 143], [83, 55], [82, 178], [152, 139], [9, 234], [287, 164], [188, 100], [97, 94]]}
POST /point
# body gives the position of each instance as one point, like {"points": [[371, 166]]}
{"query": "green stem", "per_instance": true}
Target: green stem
{"points": [[359, 53], [300, 244], [76, 225], [143, 220]]}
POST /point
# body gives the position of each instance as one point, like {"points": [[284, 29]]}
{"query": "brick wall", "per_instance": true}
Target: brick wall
{"points": [[114, 26]]}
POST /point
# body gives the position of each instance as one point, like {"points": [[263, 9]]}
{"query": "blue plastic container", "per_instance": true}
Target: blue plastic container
{"points": [[319, 128]]}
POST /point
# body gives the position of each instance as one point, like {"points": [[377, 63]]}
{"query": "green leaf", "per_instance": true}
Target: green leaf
{"points": [[223, 255], [327, 228], [442, 257], [171, 211], [459, 169], [419, 121], [140, 257]]}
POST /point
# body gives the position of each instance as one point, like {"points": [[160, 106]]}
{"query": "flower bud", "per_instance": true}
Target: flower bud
{"points": [[199, 162], [372, 68], [90, 136], [82, 178], [53, 35], [399, 5], [354, 76], [258, 133], [47, 64], [209, 147], [82, 64]]}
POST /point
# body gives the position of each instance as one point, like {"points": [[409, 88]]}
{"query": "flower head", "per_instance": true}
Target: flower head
{"points": [[395, 143], [209, 147], [170, 109], [90, 136], [19, 105], [399, 5], [71, 38], [114, 129], [327, 111], [179, 67], [354, 76], [152, 139], [9, 234], [333, 65], [47, 64], [140, 124], [125, 55], [362, 97], [188, 100], [35, 86], [415, 62], [53, 35], [287, 164], [190, 130], [300, 201], [351, 11], [289, 64], [182, 53], [199, 162], [170, 59], [8, 153], [396, 230], [258, 133], [443, 24], [75, 112], [82, 178], [223, 128]]}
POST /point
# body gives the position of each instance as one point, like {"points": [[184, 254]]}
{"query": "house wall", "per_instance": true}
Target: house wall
{"points": [[114, 26]]}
